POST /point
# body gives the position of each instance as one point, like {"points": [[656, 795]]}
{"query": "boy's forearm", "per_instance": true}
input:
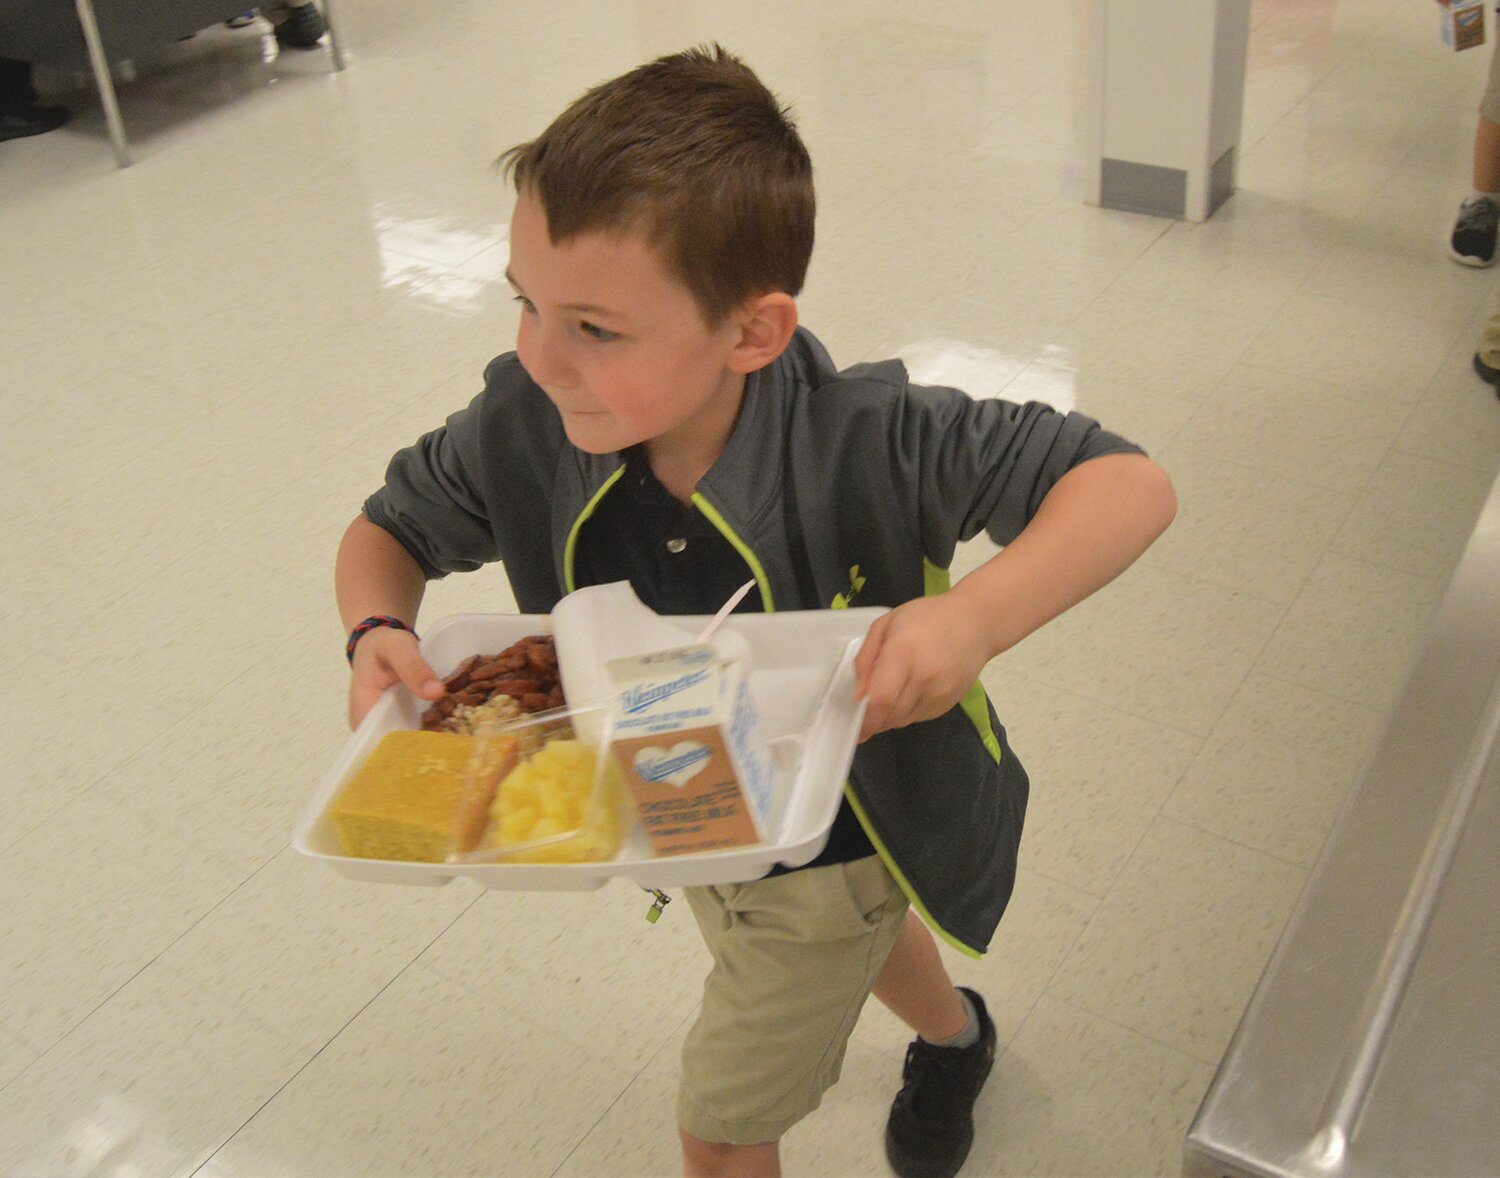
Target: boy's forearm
{"points": [[374, 574], [1091, 527]]}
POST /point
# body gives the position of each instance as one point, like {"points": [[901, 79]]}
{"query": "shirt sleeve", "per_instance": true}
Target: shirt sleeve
{"points": [[432, 501], [988, 464]]}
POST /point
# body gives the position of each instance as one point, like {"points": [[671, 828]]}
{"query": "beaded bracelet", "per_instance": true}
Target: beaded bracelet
{"points": [[373, 623]]}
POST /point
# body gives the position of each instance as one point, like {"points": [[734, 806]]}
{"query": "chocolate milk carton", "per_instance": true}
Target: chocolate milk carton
{"points": [[1463, 23], [684, 733]]}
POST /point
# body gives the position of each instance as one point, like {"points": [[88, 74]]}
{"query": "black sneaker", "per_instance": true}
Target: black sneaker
{"points": [[303, 27], [19, 122], [1473, 240], [931, 1126]]}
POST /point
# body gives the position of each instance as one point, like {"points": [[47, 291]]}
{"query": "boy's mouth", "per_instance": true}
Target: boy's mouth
{"points": [[566, 412]]}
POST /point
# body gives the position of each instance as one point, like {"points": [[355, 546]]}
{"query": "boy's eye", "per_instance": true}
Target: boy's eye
{"points": [[525, 303], [595, 332]]}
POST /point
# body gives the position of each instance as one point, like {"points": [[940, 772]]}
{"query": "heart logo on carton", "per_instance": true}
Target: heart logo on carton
{"points": [[674, 766]]}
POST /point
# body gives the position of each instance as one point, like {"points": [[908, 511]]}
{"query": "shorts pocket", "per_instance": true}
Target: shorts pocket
{"points": [[869, 888], [828, 903]]}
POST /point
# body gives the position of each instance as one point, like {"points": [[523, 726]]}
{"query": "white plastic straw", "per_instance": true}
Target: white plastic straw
{"points": [[724, 611]]}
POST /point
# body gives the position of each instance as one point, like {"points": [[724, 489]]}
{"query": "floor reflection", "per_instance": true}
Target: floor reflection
{"points": [[980, 371]]}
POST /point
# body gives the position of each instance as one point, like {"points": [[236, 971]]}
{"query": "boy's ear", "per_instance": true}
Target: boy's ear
{"points": [[766, 326]]}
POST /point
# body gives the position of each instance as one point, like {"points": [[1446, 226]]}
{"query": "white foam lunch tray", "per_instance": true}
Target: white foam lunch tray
{"points": [[802, 681]]}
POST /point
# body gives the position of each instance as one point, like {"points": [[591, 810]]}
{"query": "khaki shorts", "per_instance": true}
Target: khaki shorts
{"points": [[1489, 105], [794, 958]]}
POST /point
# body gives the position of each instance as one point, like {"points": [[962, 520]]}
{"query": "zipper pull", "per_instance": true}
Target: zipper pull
{"points": [[653, 914]]}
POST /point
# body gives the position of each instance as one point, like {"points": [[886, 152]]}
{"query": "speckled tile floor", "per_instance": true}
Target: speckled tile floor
{"points": [[208, 357]]}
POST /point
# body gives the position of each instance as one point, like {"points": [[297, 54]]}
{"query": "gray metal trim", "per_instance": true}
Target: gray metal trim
{"points": [[1221, 178], [1143, 188]]}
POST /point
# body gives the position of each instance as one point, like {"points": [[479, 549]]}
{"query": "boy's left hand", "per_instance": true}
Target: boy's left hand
{"points": [[918, 660]]}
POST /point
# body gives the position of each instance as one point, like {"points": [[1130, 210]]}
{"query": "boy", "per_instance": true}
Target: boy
{"points": [[664, 420]]}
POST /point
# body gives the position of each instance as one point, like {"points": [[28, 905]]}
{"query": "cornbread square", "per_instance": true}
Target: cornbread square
{"points": [[401, 802]]}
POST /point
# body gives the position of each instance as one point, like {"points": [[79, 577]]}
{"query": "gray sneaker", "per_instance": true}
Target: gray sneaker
{"points": [[1473, 240]]}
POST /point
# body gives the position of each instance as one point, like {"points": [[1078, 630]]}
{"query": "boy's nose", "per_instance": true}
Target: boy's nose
{"points": [[544, 358]]}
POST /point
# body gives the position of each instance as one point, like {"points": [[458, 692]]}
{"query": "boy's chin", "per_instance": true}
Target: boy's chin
{"points": [[594, 441]]}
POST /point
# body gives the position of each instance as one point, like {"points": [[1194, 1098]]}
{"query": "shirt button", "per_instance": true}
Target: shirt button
{"points": [[676, 546]]}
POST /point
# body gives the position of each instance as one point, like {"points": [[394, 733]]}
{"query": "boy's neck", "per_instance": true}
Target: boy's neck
{"points": [[681, 458]]}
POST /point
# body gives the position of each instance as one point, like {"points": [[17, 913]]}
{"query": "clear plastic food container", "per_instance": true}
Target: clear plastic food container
{"points": [[542, 789], [538, 788]]}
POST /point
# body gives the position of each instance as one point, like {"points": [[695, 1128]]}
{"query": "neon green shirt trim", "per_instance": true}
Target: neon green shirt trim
{"points": [[902, 882], [570, 582], [761, 580], [935, 581]]}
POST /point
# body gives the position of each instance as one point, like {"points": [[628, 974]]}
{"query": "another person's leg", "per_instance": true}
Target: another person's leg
{"points": [[1472, 241], [1486, 173], [1487, 355], [21, 112]]}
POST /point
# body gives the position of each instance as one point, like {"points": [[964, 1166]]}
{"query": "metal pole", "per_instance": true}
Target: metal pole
{"points": [[102, 79], [331, 21]]}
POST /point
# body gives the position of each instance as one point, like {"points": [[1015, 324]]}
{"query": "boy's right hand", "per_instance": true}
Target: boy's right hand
{"points": [[385, 656]]}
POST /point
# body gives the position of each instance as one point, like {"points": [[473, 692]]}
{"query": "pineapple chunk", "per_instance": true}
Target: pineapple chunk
{"points": [[516, 825], [552, 794]]}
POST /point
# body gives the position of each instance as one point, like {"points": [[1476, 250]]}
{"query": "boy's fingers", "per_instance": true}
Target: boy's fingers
{"points": [[362, 697], [869, 654], [881, 679], [418, 678], [896, 712], [883, 694]]}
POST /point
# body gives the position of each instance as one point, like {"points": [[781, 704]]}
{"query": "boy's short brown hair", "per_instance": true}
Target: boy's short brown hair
{"points": [[696, 153]]}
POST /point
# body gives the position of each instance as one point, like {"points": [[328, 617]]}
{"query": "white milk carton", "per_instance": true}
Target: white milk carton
{"points": [[684, 733], [1463, 23]]}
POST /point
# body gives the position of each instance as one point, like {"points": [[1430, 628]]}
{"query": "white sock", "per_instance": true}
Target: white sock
{"points": [[969, 1035], [1475, 194]]}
